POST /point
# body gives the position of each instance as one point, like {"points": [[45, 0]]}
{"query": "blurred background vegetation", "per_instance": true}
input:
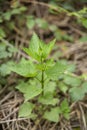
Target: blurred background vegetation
{"points": [[65, 20]]}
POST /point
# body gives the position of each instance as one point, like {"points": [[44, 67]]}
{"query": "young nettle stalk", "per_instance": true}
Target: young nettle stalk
{"points": [[42, 75], [46, 71], [42, 82]]}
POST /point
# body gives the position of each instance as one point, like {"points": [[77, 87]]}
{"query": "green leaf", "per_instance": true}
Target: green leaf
{"points": [[48, 48], [65, 109], [39, 77], [49, 87], [33, 54], [29, 91], [25, 109], [45, 65], [3, 52], [7, 15], [5, 68], [72, 81], [84, 22], [62, 87], [55, 71], [76, 93], [2, 33], [12, 49], [18, 10], [53, 27], [25, 68], [52, 115], [1, 19], [83, 76], [33, 49], [41, 23], [23, 87], [83, 39], [49, 63], [41, 66], [48, 99], [33, 91], [30, 23], [84, 87], [71, 67], [34, 43], [38, 49]]}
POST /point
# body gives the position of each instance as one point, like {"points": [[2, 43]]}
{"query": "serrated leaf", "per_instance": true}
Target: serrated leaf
{"points": [[25, 109], [29, 91], [65, 109], [34, 43], [34, 55], [76, 93], [34, 47], [23, 87], [72, 81], [38, 49], [33, 92], [25, 68], [48, 48], [48, 99], [55, 71], [52, 115], [5, 68], [84, 87]]}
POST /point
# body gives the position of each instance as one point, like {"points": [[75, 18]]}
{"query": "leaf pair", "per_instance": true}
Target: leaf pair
{"points": [[54, 114], [37, 49]]}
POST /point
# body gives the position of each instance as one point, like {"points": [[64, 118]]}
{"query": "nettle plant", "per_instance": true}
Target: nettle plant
{"points": [[47, 80]]}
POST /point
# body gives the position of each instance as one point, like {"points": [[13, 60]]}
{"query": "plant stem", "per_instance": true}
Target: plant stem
{"points": [[42, 78], [42, 82]]}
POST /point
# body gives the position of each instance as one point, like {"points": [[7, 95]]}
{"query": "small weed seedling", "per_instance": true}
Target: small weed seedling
{"points": [[46, 79]]}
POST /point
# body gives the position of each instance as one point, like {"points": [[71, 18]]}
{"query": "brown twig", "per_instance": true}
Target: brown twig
{"points": [[57, 9], [84, 127], [20, 52]]}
